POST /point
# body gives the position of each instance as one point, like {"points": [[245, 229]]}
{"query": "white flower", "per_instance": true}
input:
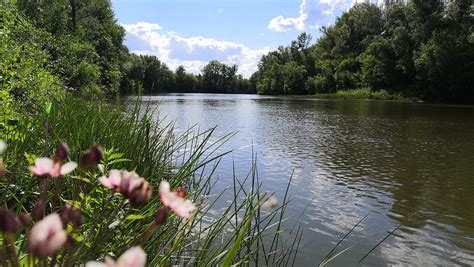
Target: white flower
{"points": [[133, 257], [270, 203], [47, 236], [47, 166], [172, 200], [3, 146]]}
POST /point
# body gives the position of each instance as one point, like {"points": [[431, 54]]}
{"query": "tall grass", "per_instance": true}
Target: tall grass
{"points": [[241, 233]]}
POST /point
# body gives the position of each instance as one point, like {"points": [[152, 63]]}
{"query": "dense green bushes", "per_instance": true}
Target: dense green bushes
{"points": [[85, 47], [23, 78]]}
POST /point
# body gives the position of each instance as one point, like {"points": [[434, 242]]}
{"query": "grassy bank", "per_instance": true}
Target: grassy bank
{"points": [[364, 93], [131, 140]]}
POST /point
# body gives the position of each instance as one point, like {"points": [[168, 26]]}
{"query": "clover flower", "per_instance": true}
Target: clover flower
{"points": [[133, 257], [48, 167], [130, 184], [9, 222], [47, 237], [3, 146], [92, 156], [179, 205]]}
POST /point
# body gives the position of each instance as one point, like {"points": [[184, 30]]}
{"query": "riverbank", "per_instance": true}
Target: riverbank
{"points": [[364, 93], [108, 222]]}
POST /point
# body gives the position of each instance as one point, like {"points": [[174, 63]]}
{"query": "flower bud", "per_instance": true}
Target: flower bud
{"points": [[70, 242], [24, 219], [65, 215], [9, 223], [38, 211], [140, 193], [182, 192], [76, 217], [73, 215], [92, 156], [62, 151], [135, 188], [161, 215], [47, 237], [3, 171]]}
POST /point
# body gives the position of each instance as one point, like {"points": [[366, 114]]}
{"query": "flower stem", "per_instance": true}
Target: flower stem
{"points": [[10, 240]]}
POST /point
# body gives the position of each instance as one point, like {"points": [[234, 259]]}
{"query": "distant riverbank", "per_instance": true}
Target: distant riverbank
{"points": [[365, 93]]}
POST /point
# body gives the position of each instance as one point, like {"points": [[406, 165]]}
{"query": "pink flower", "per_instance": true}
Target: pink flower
{"points": [[47, 236], [172, 200], [130, 184], [47, 166], [113, 181], [133, 257], [3, 146]]}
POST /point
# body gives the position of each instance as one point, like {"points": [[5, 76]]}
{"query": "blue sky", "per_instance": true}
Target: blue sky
{"points": [[191, 33]]}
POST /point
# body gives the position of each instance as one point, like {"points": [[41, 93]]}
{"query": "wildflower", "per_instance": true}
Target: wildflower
{"points": [[3, 170], [133, 257], [182, 192], [160, 216], [24, 219], [270, 203], [46, 166], [113, 181], [135, 188], [38, 210], [172, 200], [62, 151], [92, 156], [3, 146], [130, 184], [73, 215], [47, 236], [9, 222]]}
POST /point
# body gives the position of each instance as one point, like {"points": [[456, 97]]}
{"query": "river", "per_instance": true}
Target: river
{"points": [[407, 164]]}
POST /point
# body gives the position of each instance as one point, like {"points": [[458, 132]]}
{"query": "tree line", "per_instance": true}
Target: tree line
{"points": [[147, 74], [416, 48]]}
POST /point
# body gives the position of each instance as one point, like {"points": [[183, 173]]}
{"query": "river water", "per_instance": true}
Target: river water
{"points": [[407, 164]]}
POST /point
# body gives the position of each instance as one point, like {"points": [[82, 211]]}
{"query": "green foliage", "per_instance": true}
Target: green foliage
{"points": [[363, 93], [85, 46], [239, 234], [23, 79], [416, 48]]}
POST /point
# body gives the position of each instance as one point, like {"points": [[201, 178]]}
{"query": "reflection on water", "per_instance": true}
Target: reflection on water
{"points": [[404, 163]]}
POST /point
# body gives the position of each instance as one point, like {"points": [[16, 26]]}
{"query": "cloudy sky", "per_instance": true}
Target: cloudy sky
{"points": [[191, 32]]}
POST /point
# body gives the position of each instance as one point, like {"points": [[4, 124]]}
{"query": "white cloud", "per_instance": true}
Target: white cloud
{"points": [[312, 13], [191, 52]]}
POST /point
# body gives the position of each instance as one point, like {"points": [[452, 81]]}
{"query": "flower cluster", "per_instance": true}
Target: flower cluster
{"points": [[9, 222], [53, 167], [130, 184], [133, 257], [47, 236], [47, 233]]}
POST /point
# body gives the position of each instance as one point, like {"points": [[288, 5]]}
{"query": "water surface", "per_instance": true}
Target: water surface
{"points": [[407, 164]]}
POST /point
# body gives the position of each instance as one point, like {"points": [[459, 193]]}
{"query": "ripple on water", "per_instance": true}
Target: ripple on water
{"points": [[402, 163]]}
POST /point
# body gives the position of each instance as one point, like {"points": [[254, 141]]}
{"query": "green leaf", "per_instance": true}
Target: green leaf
{"points": [[47, 108], [115, 156], [134, 217]]}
